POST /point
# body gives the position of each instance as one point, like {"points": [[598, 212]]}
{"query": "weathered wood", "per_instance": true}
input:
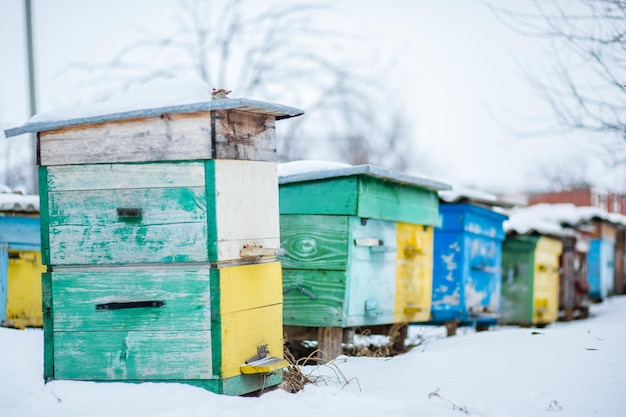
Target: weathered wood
{"points": [[123, 176], [86, 228], [314, 242], [314, 298], [132, 355], [244, 136], [184, 292], [170, 137], [242, 206], [329, 343]]}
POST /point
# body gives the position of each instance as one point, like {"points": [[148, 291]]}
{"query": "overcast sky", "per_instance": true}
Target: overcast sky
{"points": [[458, 68]]}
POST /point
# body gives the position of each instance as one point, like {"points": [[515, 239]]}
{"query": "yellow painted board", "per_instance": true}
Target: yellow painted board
{"points": [[546, 280], [414, 272], [243, 332], [250, 286], [24, 289]]}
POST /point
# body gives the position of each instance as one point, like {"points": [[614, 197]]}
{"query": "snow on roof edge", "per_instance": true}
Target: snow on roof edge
{"points": [[334, 169], [253, 106]]}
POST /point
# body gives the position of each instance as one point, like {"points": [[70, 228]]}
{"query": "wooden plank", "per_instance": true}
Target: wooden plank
{"points": [[20, 231], [246, 206], [184, 292], [4, 280], [48, 327], [243, 332], [123, 176], [330, 196], [24, 291], [329, 343], [545, 293], [244, 136], [132, 355], [85, 226], [372, 273], [314, 242], [43, 207], [379, 199], [414, 273], [250, 286], [314, 298], [170, 137]]}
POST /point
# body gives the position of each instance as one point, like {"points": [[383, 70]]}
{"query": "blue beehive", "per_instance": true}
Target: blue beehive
{"points": [[467, 265], [600, 260]]}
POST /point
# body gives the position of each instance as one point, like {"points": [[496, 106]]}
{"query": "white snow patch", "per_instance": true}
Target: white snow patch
{"points": [[306, 166]]}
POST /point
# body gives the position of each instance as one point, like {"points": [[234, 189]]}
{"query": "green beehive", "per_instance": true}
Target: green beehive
{"points": [[160, 230], [530, 281], [358, 244]]}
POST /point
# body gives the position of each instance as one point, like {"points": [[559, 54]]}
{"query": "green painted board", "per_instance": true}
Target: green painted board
{"points": [[314, 242], [185, 295], [48, 318], [361, 196], [132, 355], [518, 260], [314, 298], [85, 228], [338, 271]]}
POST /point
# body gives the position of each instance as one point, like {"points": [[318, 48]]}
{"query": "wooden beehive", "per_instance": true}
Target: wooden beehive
{"points": [[467, 266], [530, 280], [20, 261], [358, 244], [160, 230]]}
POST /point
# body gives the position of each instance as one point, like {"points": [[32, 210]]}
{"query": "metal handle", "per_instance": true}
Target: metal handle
{"points": [[129, 212], [303, 290], [368, 242], [129, 304]]}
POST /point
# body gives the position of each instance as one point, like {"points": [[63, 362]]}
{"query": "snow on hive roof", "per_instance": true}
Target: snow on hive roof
{"points": [[149, 100], [556, 218], [309, 170], [460, 193], [19, 203]]}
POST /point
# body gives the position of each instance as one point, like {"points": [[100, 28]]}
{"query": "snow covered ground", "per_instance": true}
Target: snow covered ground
{"points": [[572, 369]]}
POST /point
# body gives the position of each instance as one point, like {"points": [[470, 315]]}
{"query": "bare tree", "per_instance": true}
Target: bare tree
{"points": [[275, 52], [586, 82], [566, 175]]}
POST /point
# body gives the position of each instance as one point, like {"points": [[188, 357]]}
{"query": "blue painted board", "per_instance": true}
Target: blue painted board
{"points": [[600, 267], [467, 265]]}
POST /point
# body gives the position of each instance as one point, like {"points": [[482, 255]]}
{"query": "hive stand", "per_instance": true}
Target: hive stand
{"points": [[160, 230]]}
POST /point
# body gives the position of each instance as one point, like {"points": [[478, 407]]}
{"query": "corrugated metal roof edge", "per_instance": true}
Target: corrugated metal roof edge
{"points": [[370, 170], [255, 106]]}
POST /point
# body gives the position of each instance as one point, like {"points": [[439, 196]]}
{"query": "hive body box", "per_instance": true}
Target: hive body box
{"points": [[467, 266], [358, 244], [20, 270], [530, 280], [600, 261], [160, 232], [573, 285]]}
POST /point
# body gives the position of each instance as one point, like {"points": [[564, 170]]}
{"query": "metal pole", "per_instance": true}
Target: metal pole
{"points": [[31, 89]]}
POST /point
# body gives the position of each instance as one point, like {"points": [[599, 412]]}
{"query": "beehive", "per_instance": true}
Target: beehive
{"points": [[530, 280], [160, 232], [358, 244], [601, 260], [20, 261], [467, 266]]}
